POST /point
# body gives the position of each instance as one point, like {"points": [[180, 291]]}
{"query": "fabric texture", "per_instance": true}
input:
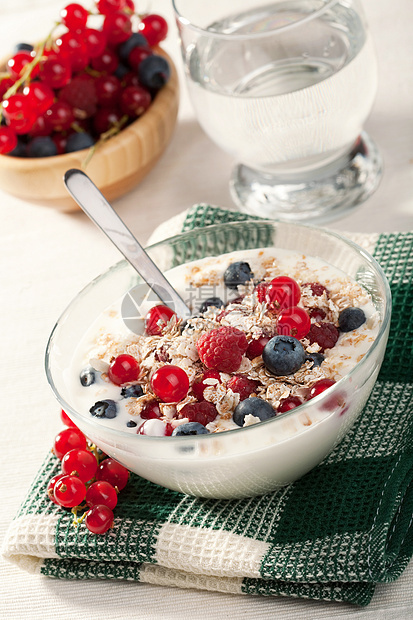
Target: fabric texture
{"points": [[332, 535]]}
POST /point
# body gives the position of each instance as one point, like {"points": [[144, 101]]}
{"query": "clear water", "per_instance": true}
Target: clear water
{"points": [[289, 99]]}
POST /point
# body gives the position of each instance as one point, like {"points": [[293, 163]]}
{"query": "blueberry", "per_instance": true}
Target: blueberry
{"points": [[87, 376], [42, 146], [20, 150], [131, 424], [20, 47], [131, 391], [283, 355], [104, 409], [154, 72], [316, 358], [79, 141], [135, 40], [237, 273], [191, 428], [120, 71], [252, 406], [211, 301], [351, 318]]}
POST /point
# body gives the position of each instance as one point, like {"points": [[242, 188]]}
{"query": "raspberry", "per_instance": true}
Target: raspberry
{"points": [[222, 349], [80, 94], [203, 412], [324, 334], [242, 386]]}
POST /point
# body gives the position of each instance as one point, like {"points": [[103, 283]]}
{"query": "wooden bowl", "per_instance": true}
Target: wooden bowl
{"points": [[116, 166]]}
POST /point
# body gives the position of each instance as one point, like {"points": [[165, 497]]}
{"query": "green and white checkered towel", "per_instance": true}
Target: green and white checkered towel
{"points": [[333, 535]]}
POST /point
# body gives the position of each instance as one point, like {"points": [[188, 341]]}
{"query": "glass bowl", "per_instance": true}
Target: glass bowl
{"points": [[252, 460]]}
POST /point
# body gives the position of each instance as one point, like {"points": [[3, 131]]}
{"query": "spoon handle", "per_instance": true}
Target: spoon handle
{"points": [[95, 205]]}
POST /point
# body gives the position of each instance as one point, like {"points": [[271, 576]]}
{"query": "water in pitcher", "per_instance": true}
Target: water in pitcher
{"points": [[291, 100]]}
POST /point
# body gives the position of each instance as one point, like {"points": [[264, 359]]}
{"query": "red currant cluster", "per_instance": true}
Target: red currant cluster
{"points": [[89, 481], [82, 84]]}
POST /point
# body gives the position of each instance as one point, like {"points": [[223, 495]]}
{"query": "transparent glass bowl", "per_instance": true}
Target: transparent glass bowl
{"points": [[247, 461]]}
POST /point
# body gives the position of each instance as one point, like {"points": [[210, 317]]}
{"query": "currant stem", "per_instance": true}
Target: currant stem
{"points": [[113, 131]]}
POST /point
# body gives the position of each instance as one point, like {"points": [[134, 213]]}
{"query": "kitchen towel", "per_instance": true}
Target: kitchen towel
{"points": [[332, 535]]}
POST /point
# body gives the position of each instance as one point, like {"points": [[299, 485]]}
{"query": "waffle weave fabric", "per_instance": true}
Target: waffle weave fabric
{"points": [[332, 535]]}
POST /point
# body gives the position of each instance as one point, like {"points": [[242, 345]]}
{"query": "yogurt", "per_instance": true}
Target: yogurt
{"points": [[110, 336]]}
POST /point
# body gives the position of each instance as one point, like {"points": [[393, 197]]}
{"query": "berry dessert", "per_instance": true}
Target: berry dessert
{"points": [[270, 330], [96, 72]]}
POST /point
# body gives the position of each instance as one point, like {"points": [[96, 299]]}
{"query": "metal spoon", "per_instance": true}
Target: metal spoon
{"points": [[95, 205]]}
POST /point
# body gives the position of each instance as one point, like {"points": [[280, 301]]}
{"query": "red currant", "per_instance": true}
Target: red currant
{"points": [[66, 420], [136, 56], [69, 491], [123, 369], [56, 71], [73, 47], [107, 62], [151, 411], [16, 107], [74, 16], [199, 385], [40, 127], [68, 439], [256, 347], [80, 463], [319, 387], [99, 519], [95, 41], [293, 322], [291, 402], [19, 61], [8, 140], [40, 96], [283, 292], [5, 83], [108, 90], [23, 125], [154, 28], [117, 26], [129, 5], [101, 492], [108, 6], [113, 472], [60, 116], [130, 79], [157, 319], [105, 119], [50, 487], [170, 383], [135, 100], [60, 141]]}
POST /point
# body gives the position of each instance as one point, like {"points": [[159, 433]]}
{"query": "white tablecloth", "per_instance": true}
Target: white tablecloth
{"points": [[48, 256]]}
